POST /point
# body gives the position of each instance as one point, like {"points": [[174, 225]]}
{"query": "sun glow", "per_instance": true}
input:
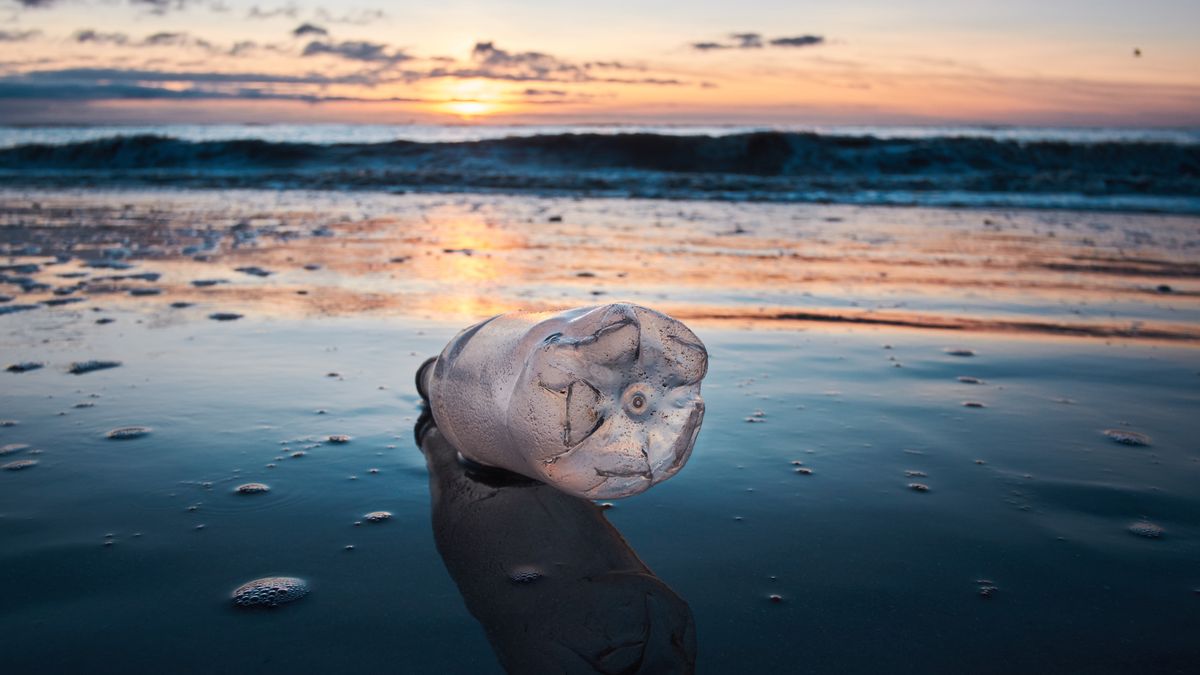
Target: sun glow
{"points": [[472, 98], [470, 109]]}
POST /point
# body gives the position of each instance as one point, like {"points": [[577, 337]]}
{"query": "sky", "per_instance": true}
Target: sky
{"points": [[822, 62]]}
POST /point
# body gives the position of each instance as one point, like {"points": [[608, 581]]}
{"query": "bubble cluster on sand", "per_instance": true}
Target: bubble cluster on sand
{"points": [[127, 433], [1126, 437], [19, 464], [24, 366], [1145, 528], [12, 448], [253, 488], [254, 271], [81, 367], [270, 592], [377, 516]]}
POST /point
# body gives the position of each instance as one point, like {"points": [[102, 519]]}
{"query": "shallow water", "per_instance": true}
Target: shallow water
{"points": [[1045, 541], [465, 257], [872, 574]]}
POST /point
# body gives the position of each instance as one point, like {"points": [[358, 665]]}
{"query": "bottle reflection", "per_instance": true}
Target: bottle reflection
{"points": [[556, 587]]}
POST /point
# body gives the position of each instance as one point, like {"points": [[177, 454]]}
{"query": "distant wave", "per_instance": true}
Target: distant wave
{"points": [[769, 165]]}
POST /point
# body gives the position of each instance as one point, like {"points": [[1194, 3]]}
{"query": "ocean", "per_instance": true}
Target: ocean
{"points": [[950, 404], [1135, 170]]}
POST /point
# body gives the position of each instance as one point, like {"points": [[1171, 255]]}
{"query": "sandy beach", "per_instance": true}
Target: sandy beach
{"points": [[465, 257], [927, 429], [642, 338]]}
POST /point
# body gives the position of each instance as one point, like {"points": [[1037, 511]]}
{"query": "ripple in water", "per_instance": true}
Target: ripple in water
{"points": [[19, 464], [1145, 528], [253, 488], [1126, 437], [127, 433], [377, 516], [13, 448], [270, 592], [81, 367]]}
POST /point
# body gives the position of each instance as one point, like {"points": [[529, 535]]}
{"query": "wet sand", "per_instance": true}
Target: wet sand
{"points": [[1041, 543], [465, 257]]}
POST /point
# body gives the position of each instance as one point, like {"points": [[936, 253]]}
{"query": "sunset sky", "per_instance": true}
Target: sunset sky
{"points": [[1062, 62]]}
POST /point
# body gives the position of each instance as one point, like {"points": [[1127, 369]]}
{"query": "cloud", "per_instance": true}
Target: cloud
{"points": [[490, 62], [89, 84], [18, 35], [166, 39], [798, 41], [613, 65], [98, 84], [755, 41], [161, 39], [747, 40], [87, 35], [156, 7], [111, 91], [309, 29], [356, 50], [534, 65], [290, 11], [161, 7], [358, 17], [243, 47], [136, 75]]}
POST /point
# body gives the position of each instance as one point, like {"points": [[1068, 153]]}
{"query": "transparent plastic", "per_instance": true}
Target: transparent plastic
{"points": [[600, 402]]}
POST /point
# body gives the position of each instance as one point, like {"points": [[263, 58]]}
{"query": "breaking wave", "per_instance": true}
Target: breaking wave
{"points": [[768, 166]]}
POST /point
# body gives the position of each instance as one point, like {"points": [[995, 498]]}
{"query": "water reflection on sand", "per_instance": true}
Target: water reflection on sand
{"points": [[554, 585], [468, 256]]}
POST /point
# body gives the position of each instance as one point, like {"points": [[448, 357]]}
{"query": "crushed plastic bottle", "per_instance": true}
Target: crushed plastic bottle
{"points": [[600, 402]]}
